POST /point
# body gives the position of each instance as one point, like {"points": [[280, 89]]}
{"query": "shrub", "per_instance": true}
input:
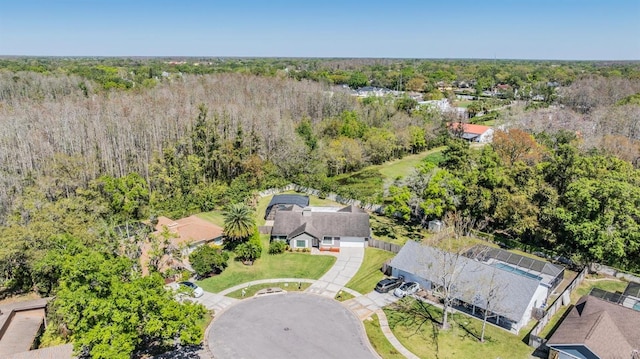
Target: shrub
{"points": [[277, 247], [206, 260], [248, 252]]}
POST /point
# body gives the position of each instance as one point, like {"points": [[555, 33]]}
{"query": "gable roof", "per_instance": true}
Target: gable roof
{"points": [[469, 128], [607, 329], [349, 221], [473, 278]]}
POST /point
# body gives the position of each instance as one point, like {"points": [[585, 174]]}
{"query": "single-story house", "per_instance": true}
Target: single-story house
{"points": [[597, 329], [322, 227], [471, 132], [513, 294], [284, 201], [186, 234], [21, 324]]}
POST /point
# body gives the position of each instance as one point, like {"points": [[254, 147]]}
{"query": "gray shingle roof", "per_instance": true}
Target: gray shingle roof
{"points": [[349, 223], [473, 278]]}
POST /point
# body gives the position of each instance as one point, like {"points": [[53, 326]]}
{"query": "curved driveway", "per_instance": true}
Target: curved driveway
{"points": [[291, 325]]}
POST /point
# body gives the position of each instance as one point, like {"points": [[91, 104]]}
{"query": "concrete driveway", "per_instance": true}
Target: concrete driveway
{"points": [[291, 325]]}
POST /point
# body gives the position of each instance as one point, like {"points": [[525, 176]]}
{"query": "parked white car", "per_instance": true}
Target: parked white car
{"points": [[406, 289], [193, 289]]}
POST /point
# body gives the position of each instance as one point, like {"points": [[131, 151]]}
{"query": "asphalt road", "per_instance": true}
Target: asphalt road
{"points": [[291, 325]]}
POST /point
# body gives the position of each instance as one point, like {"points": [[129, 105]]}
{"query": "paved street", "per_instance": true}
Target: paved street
{"points": [[291, 325]]}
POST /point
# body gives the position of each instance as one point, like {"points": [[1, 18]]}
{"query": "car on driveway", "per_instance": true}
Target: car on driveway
{"points": [[406, 289], [192, 289], [388, 284]]}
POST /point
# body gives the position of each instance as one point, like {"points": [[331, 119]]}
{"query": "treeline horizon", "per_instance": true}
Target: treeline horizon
{"points": [[196, 142]]}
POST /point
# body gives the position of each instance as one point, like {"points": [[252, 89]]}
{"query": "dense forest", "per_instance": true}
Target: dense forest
{"points": [[90, 144]]}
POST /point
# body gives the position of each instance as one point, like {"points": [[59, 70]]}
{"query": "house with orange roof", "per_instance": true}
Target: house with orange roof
{"points": [[184, 235], [471, 132]]}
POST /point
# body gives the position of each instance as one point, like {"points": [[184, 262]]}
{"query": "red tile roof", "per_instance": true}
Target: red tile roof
{"points": [[469, 128]]}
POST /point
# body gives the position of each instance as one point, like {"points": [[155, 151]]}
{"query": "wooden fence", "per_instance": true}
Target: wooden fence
{"points": [[389, 247], [563, 299]]}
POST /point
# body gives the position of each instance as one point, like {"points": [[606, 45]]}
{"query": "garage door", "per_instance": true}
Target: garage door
{"points": [[352, 244]]}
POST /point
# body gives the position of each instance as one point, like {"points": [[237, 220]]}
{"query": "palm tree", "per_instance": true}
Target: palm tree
{"points": [[239, 222]]}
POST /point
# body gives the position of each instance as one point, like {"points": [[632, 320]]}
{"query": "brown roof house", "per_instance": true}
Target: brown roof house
{"points": [[21, 324], [322, 227], [597, 329], [185, 235]]}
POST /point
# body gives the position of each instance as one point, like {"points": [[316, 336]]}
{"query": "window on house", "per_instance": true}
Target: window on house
{"points": [[301, 243], [327, 240]]}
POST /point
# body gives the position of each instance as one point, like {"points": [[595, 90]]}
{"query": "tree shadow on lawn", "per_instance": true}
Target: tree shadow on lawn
{"points": [[416, 313]]}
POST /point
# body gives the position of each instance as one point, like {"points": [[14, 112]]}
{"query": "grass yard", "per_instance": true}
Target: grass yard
{"points": [[426, 340], [610, 285], [342, 296], [252, 290], [404, 167], [286, 265], [463, 103], [215, 217], [369, 273], [378, 341], [389, 230], [203, 323]]}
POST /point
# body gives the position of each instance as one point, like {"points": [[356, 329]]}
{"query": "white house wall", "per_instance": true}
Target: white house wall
{"points": [[486, 137], [539, 297]]}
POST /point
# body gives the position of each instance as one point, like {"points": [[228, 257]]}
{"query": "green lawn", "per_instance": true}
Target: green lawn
{"points": [[378, 341], [404, 167], [369, 273], [424, 339], [215, 217], [203, 323], [252, 290], [286, 265], [389, 230], [341, 296], [610, 285]]}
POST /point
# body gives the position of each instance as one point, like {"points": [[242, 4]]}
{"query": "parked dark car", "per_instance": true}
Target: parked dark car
{"points": [[389, 284]]}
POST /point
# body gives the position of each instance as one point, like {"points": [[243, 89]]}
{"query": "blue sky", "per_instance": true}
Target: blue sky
{"points": [[514, 29]]}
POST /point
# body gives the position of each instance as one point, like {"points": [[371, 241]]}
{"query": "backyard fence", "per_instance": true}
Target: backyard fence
{"points": [[563, 299], [389, 247], [377, 208], [605, 270]]}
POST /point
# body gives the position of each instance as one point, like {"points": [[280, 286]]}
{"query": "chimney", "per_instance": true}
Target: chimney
{"points": [[306, 212]]}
